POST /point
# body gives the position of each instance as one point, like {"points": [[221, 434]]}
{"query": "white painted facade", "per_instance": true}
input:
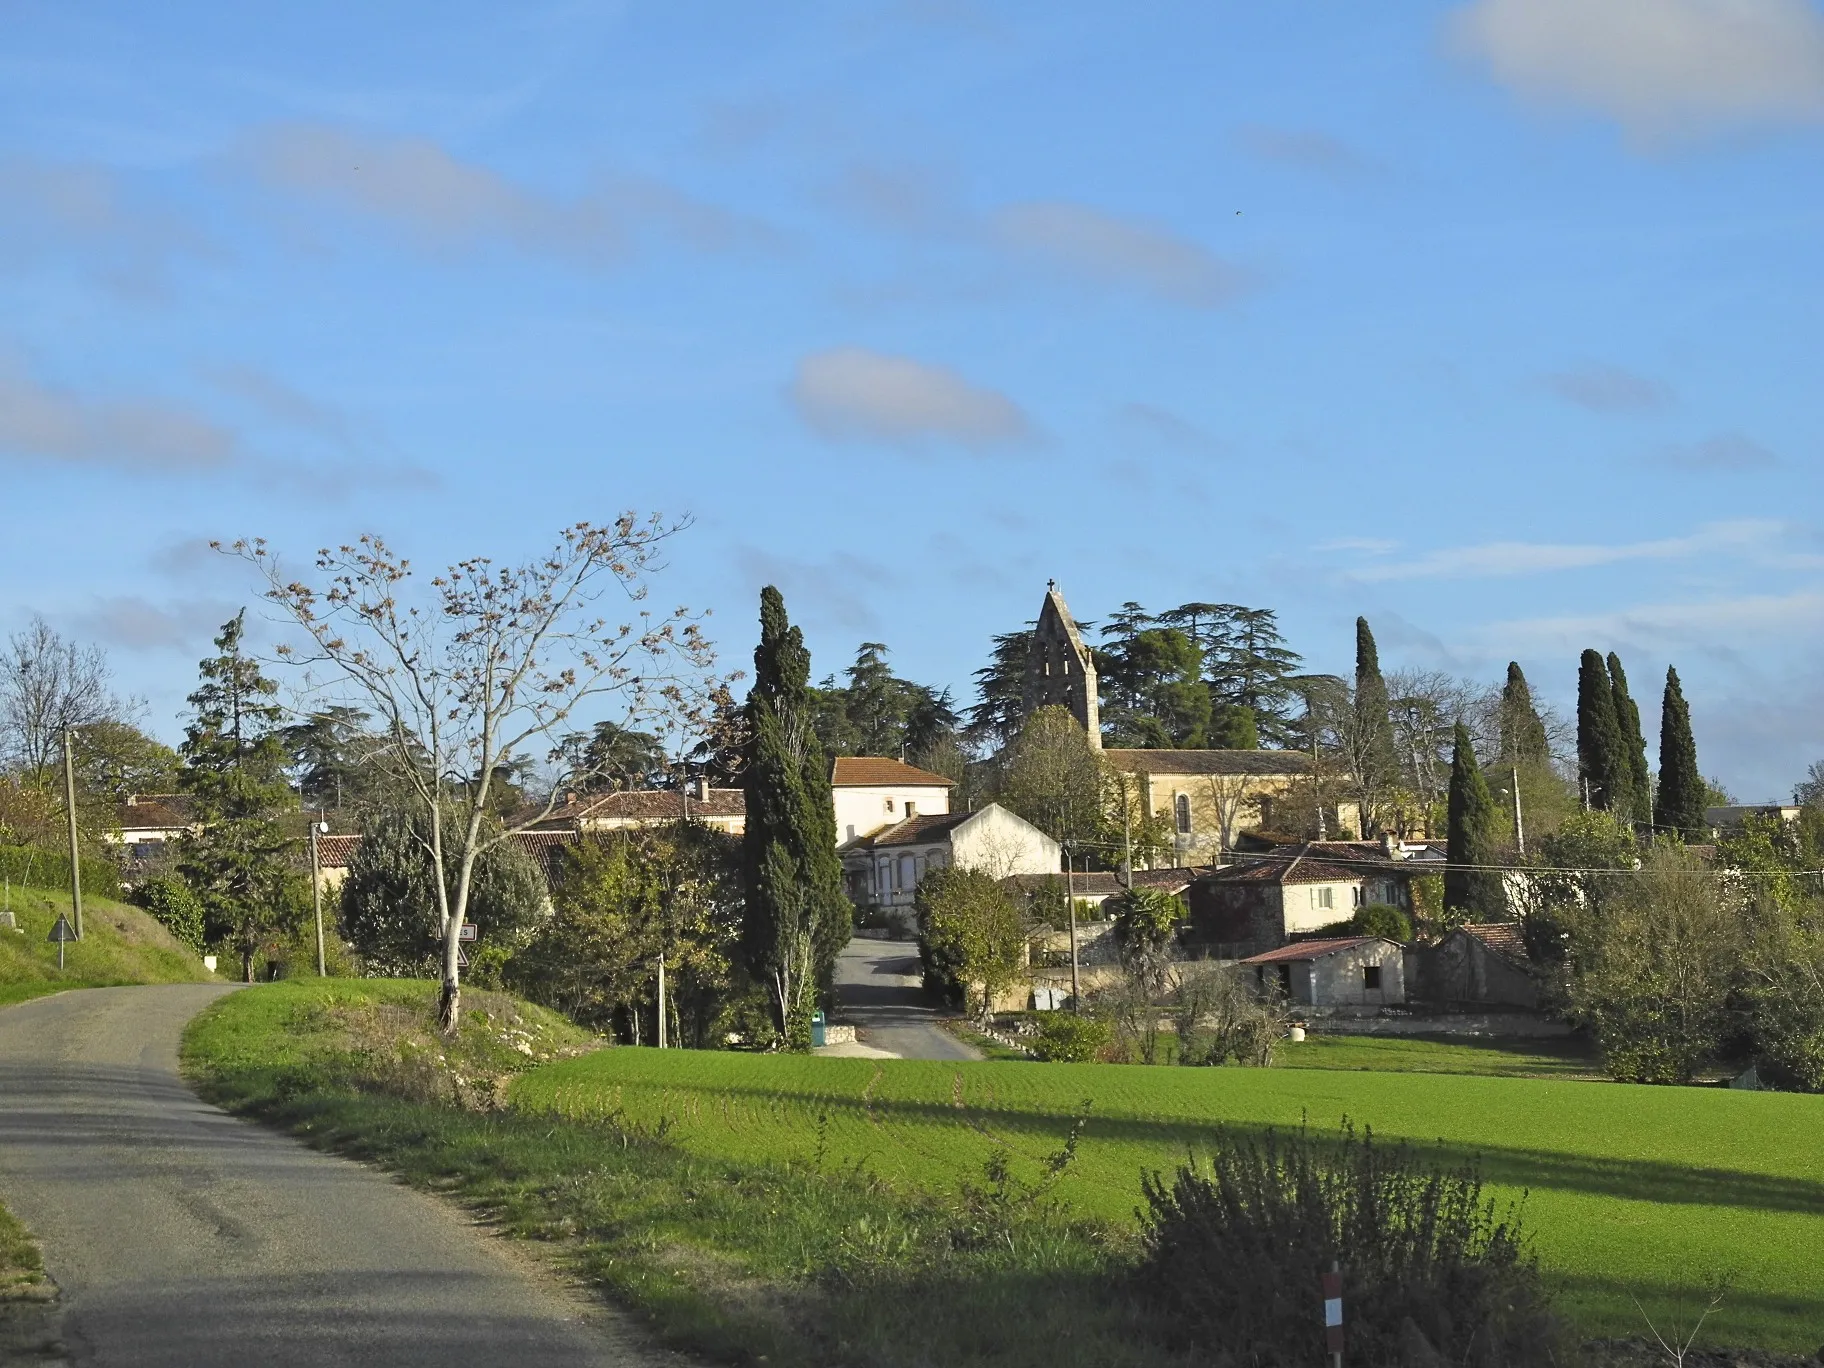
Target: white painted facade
{"points": [[886, 873], [865, 808]]}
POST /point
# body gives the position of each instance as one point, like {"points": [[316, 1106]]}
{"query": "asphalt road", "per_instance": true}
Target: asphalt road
{"points": [[880, 988], [182, 1237]]}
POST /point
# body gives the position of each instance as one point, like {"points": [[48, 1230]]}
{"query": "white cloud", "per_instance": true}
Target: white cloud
{"points": [[1494, 559], [446, 201], [1608, 389], [41, 423], [851, 393], [829, 593], [1121, 251], [1656, 66], [1304, 148], [137, 624]]}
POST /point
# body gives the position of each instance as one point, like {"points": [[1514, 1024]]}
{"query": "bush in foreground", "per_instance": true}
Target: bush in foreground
{"points": [[1237, 1250]]}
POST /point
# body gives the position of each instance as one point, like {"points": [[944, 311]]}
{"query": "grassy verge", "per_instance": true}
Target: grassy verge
{"points": [[1528, 1058], [21, 1267], [120, 944], [811, 1260]]}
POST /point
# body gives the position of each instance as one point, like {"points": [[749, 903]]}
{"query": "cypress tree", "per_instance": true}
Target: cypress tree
{"points": [[1474, 825], [1600, 754], [1523, 739], [796, 916], [1377, 768], [1681, 787], [1634, 746]]}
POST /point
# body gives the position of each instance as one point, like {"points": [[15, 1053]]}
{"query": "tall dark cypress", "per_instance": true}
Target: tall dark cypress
{"points": [[797, 917], [1523, 739], [1681, 787], [1474, 825], [1601, 757], [1634, 746], [1378, 769]]}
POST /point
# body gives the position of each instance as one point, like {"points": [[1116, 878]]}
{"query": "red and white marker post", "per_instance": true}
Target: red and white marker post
{"points": [[1333, 1315]]}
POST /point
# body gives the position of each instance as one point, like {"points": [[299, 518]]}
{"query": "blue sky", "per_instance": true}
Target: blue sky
{"points": [[1497, 322]]}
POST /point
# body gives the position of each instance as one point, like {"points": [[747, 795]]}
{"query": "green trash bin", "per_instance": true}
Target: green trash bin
{"points": [[817, 1031]]}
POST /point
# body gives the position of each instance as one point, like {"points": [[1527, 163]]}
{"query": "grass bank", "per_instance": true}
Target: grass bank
{"points": [[21, 1266], [120, 944], [807, 1260], [1632, 1192]]}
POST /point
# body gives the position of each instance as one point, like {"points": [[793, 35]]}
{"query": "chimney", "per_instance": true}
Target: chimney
{"points": [[702, 794], [132, 800], [1390, 847]]}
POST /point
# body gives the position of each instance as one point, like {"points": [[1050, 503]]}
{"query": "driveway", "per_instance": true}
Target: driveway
{"points": [[879, 987], [182, 1237]]}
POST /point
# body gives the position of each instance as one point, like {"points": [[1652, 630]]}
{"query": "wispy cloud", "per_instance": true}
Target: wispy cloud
{"points": [[1509, 558], [283, 403], [1658, 67], [1304, 148], [1164, 427], [1698, 622], [822, 592], [1121, 251], [444, 201], [1727, 451], [43, 423], [1608, 389], [132, 623], [851, 393]]}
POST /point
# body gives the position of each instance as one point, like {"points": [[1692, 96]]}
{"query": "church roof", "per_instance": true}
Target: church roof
{"points": [[1264, 763]]}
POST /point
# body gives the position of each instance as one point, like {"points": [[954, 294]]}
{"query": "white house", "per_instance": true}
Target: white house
{"points": [[871, 792], [883, 868]]}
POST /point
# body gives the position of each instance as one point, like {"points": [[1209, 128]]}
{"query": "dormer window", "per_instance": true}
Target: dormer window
{"points": [[889, 805]]}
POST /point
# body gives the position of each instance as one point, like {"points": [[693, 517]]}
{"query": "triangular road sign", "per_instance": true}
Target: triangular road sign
{"points": [[63, 931], [462, 959]]}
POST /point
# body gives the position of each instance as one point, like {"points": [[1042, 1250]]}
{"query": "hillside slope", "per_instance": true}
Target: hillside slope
{"points": [[121, 944]]}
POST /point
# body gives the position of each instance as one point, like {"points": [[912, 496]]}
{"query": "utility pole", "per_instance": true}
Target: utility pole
{"points": [[316, 889], [1070, 901], [661, 999], [1519, 822], [69, 794], [1127, 834]]}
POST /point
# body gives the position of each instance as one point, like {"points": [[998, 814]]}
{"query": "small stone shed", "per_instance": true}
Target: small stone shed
{"points": [[1348, 972], [1484, 963]]}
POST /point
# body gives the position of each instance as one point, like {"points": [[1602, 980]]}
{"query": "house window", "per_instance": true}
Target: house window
{"points": [[889, 805], [886, 876], [1355, 896], [908, 872], [911, 808], [1371, 977], [1181, 807], [1321, 897]]}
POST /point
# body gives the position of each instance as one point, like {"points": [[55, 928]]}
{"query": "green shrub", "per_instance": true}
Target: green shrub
{"points": [[41, 868], [1382, 919], [1236, 1252], [1066, 1038], [174, 906]]}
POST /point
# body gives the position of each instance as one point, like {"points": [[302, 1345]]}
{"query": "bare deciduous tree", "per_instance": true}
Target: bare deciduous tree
{"points": [[46, 685], [492, 661]]}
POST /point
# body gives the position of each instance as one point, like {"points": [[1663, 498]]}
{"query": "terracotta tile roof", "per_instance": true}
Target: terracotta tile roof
{"points": [[334, 852], [638, 805], [1255, 763], [1313, 949], [1503, 938], [151, 811], [912, 831], [877, 771]]}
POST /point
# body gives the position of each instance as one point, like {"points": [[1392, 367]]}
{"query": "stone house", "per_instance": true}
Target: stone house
{"points": [[1207, 798], [1348, 973], [1261, 902], [883, 868], [1484, 964], [725, 809], [336, 853]]}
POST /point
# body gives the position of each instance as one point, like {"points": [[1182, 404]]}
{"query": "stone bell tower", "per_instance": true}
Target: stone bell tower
{"points": [[1059, 667]]}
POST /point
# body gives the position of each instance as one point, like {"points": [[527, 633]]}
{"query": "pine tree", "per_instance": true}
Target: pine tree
{"points": [[1372, 752], [1633, 746], [1474, 894], [239, 858], [797, 917], [1523, 739], [1681, 786], [1601, 756]]}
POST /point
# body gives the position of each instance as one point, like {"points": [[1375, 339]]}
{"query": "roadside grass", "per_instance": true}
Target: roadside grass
{"points": [[120, 944], [21, 1267], [809, 1260], [1631, 1192]]}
